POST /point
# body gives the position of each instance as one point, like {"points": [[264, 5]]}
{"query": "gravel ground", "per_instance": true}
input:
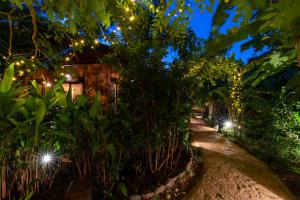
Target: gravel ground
{"points": [[230, 172]]}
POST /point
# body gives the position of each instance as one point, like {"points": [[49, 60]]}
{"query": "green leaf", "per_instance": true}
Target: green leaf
{"points": [[36, 87], [111, 150], [40, 114], [29, 196], [123, 189], [7, 79]]}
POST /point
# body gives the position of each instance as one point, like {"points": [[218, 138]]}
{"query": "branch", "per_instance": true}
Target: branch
{"points": [[33, 37], [10, 30]]}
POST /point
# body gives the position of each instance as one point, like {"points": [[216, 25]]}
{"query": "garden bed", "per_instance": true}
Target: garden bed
{"points": [[172, 186]]}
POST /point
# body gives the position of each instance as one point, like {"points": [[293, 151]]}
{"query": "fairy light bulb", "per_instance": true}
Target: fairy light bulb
{"points": [[131, 18]]}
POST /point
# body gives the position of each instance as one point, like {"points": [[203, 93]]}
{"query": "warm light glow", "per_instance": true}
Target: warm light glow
{"points": [[228, 124], [131, 18], [18, 63], [96, 41], [68, 76], [22, 61], [180, 10], [48, 84], [76, 44], [82, 41], [119, 28], [67, 58], [14, 79], [127, 9]]}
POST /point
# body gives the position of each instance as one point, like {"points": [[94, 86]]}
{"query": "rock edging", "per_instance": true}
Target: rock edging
{"points": [[181, 180]]}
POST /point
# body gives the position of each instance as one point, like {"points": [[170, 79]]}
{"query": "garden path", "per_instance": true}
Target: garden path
{"points": [[230, 172]]}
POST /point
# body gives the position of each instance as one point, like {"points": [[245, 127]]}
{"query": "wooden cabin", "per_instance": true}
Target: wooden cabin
{"points": [[85, 75]]}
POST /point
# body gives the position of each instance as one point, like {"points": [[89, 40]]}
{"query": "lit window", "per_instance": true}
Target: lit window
{"points": [[76, 89]]}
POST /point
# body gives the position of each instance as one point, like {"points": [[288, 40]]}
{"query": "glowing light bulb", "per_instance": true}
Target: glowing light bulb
{"points": [[67, 58], [68, 76], [228, 124], [76, 44], [22, 61], [46, 159], [126, 9], [180, 10], [119, 28], [131, 18], [96, 41], [48, 84], [18, 63], [82, 41]]}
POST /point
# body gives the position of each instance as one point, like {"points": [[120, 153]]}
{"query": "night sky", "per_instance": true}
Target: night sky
{"points": [[201, 23]]}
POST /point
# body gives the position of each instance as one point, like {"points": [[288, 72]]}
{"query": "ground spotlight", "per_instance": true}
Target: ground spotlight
{"points": [[228, 124], [46, 159]]}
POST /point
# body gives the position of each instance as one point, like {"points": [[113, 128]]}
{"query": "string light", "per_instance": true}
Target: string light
{"points": [[119, 28], [76, 44], [14, 78], [180, 10], [82, 41], [67, 58], [4, 57], [131, 18], [96, 41], [22, 61], [126, 9]]}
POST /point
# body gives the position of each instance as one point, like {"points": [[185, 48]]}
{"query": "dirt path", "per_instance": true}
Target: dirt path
{"points": [[230, 172]]}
